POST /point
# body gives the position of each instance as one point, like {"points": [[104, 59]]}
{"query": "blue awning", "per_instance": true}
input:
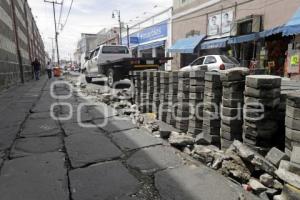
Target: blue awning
{"points": [[186, 45], [272, 31], [151, 45], [213, 44], [244, 38], [293, 25]]}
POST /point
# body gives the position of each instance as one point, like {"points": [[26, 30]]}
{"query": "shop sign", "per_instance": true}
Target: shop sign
{"points": [[154, 32], [294, 61], [220, 23]]}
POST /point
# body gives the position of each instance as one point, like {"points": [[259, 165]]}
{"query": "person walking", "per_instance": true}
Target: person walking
{"points": [[37, 68], [49, 70]]}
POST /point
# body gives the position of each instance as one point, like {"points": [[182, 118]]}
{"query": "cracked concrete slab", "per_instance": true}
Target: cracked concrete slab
{"points": [[84, 149], [116, 125], [35, 178], [135, 139], [75, 128], [156, 158], [40, 128], [39, 145], [197, 183], [7, 136], [103, 181]]}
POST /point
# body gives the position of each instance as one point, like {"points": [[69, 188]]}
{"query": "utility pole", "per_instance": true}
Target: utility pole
{"points": [[53, 49], [55, 25], [128, 37], [118, 12]]}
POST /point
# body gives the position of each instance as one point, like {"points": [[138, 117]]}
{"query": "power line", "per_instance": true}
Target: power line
{"points": [[60, 13], [63, 26]]}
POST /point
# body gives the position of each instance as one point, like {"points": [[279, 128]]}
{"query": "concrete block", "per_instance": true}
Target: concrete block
{"points": [[232, 112], [213, 85], [270, 103], [293, 135], [231, 136], [232, 121], [234, 74], [232, 103], [196, 89], [292, 123], [232, 95], [275, 156], [293, 112], [293, 99], [259, 133], [263, 81], [262, 93], [198, 74], [235, 130], [214, 77], [295, 157], [210, 130]]}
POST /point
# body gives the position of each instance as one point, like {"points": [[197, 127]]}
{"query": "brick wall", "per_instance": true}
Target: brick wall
{"points": [[20, 42]]}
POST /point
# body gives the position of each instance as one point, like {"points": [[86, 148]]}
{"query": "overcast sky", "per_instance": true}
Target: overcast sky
{"points": [[88, 16]]}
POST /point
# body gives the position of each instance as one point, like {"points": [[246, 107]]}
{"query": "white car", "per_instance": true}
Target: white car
{"points": [[214, 63], [102, 55]]}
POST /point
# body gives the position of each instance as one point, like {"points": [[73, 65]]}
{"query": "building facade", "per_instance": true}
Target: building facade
{"points": [[86, 43], [20, 42], [151, 37], [233, 27]]}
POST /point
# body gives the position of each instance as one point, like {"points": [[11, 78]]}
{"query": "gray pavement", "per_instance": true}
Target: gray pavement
{"points": [[43, 158]]}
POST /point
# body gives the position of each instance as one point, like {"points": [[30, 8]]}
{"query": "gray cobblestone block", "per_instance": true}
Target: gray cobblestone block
{"points": [[214, 77], [194, 130], [196, 96], [213, 85], [235, 130], [231, 112], [290, 144], [233, 95], [293, 135], [225, 144], [293, 99], [292, 123], [263, 81], [238, 85], [232, 121], [211, 115], [232, 103], [295, 157], [213, 92], [211, 130], [267, 133], [293, 112], [269, 103], [196, 89], [212, 122], [196, 123], [275, 156], [230, 136], [197, 82], [215, 99], [183, 74], [234, 74], [212, 139], [262, 93], [211, 107], [198, 73], [294, 168]]}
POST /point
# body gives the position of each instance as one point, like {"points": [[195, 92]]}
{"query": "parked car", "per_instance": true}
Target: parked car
{"points": [[214, 63]]}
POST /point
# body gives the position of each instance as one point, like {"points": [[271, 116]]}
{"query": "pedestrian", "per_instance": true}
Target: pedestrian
{"points": [[49, 70], [37, 68]]}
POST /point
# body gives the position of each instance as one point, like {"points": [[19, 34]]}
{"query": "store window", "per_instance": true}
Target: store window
{"points": [[245, 28]]}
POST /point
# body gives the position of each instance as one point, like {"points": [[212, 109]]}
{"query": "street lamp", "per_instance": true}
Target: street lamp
{"points": [[118, 13]]}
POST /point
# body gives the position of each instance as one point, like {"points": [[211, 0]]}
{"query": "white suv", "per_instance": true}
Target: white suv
{"points": [[214, 63]]}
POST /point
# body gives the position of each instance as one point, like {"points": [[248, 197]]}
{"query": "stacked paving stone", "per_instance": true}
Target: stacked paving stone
{"points": [[196, 96], [164, 102], [156, 91], [172, 98], [136, 80], [211, 110], [233, 82], [143, 92], [150, 91], [262, 100], [183, 108], [292, 122]]}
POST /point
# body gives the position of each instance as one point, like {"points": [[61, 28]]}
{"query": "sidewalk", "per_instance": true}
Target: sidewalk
{"points": [[44, 159]]}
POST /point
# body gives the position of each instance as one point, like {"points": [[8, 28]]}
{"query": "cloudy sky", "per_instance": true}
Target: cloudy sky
{"points": [[89, 16]]}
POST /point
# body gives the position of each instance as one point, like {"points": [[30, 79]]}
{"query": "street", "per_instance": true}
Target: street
{"points": [[150, 100], [47, 159]]}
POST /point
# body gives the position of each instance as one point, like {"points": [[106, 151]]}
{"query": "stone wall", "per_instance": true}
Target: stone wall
{"points": [[20, 42]]}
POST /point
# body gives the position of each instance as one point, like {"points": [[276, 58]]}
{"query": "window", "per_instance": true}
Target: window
{"points": [[210, 60], [115, 50], [199, 61], [228, 59], [96, 52]]}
